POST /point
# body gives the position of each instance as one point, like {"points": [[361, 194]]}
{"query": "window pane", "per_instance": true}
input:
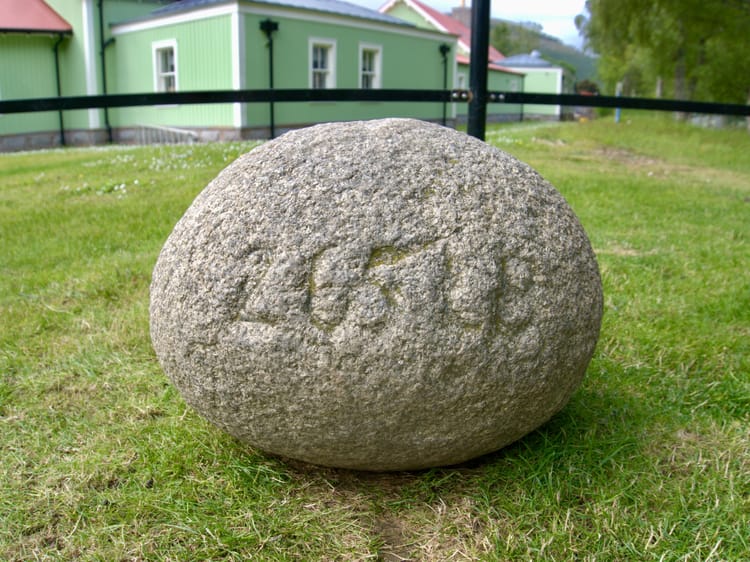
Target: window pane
{"points": [[320, 57], [369, 77], [166, 69], [166, 60], [321, 66], [319, 80], [368, 61]]}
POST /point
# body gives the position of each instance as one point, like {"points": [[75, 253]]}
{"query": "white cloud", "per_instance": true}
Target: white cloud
{"points": [[557, 17]]}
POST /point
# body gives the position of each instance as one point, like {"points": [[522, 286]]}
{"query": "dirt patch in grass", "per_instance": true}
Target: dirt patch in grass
{"points": [[659, 168], [625, 156], [424, 516], [621, 251], [391, 532]]}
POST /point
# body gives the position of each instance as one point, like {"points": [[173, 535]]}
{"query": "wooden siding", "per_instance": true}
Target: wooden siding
{"points": [[546, 81], [496, 81], [208, 58], [404, 12], [204, 62], [27, 71], [407, 62]]}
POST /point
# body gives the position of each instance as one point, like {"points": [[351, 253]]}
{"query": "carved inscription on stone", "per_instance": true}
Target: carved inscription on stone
{"points": [[379, 295]]}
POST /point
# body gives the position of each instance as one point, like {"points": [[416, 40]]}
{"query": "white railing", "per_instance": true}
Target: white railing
{"points": [[155, 134]]}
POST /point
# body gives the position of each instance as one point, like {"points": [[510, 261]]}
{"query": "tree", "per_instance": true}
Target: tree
{"points": [[513, 39], [698, 47], [587, 87]]}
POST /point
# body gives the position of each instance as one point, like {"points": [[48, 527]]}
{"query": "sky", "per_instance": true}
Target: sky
{"points": [[555, 16]]}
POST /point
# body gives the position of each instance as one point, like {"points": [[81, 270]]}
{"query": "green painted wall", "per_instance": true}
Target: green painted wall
{"points": [[407, 62], [402, 11], [204, 58], [541, 81], [497, 81], [27, 70], [72, 60], [204, 62], [504, 82], [72, 52]]}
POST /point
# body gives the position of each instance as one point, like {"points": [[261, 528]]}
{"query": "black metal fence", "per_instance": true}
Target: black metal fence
{"points": [[349, 95], [272, 96], [477, 97]]}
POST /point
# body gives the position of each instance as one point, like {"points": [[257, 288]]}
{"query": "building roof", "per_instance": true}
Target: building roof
{"points": [[461, 59], [531, 60], [31, 16], [445, 23], [338, 7]]}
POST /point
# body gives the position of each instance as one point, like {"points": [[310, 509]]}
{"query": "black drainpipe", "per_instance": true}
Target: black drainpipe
{"points": [[55, 49], [103, 58], [268, 26], [444, 50]]}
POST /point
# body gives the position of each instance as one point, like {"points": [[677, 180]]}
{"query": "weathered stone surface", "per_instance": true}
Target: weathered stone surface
{"points": [[377, 295]]}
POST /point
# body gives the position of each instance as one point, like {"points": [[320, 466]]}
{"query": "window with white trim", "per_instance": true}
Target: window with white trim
{"points": [[165, 65], [322, 64], [370, 66]]}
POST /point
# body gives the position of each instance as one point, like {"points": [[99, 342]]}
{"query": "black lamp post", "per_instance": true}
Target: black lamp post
{"points": [[268, 26], [444, 50]]}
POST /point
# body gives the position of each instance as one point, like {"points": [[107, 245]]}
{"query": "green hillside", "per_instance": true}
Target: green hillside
{"points": [[555, 50], [512, 38]]}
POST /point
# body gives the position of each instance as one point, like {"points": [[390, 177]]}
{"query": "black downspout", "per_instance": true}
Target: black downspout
{"points": [[480, 43], [444, 50], [103, 58], [268, 26], [55, 49]]}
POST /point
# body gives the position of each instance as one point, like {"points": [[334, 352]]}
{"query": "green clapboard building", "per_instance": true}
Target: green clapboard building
{"points": [[500, 77], [143, 46]]}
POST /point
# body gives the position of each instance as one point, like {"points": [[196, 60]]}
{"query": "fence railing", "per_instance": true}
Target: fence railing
{"points": [[476, 124], [351, 95]]}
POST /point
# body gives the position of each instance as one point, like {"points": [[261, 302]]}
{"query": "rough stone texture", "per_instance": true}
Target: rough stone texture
{"points": [[379, 295]]}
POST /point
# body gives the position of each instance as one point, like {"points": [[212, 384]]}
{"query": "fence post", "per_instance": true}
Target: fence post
{"points": [[480, 43], [618, 110]]}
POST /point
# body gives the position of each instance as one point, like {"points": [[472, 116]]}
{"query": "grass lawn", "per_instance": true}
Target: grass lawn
{"points": [[100, 459]]}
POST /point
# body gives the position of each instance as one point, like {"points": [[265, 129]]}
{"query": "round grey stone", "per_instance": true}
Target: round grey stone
{"points": [[381, 295]]}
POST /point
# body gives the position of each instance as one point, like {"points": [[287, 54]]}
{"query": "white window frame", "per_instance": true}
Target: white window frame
{"points": [[377, 72], [330, 45], [156, 48]]}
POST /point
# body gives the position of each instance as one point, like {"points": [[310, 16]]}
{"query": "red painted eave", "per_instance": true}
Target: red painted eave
{"points": [[460, 59], [31, 16], [451, 25]]}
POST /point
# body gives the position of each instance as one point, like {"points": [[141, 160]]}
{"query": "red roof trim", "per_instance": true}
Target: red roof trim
{"points": [[451, 25], [31, 16], [465, 60]]}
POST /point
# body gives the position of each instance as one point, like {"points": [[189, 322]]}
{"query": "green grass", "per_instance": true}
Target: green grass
{"points": [[100, 459]]}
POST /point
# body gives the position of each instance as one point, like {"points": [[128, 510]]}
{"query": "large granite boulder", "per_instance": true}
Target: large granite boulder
{"points": [[379, 295]]}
